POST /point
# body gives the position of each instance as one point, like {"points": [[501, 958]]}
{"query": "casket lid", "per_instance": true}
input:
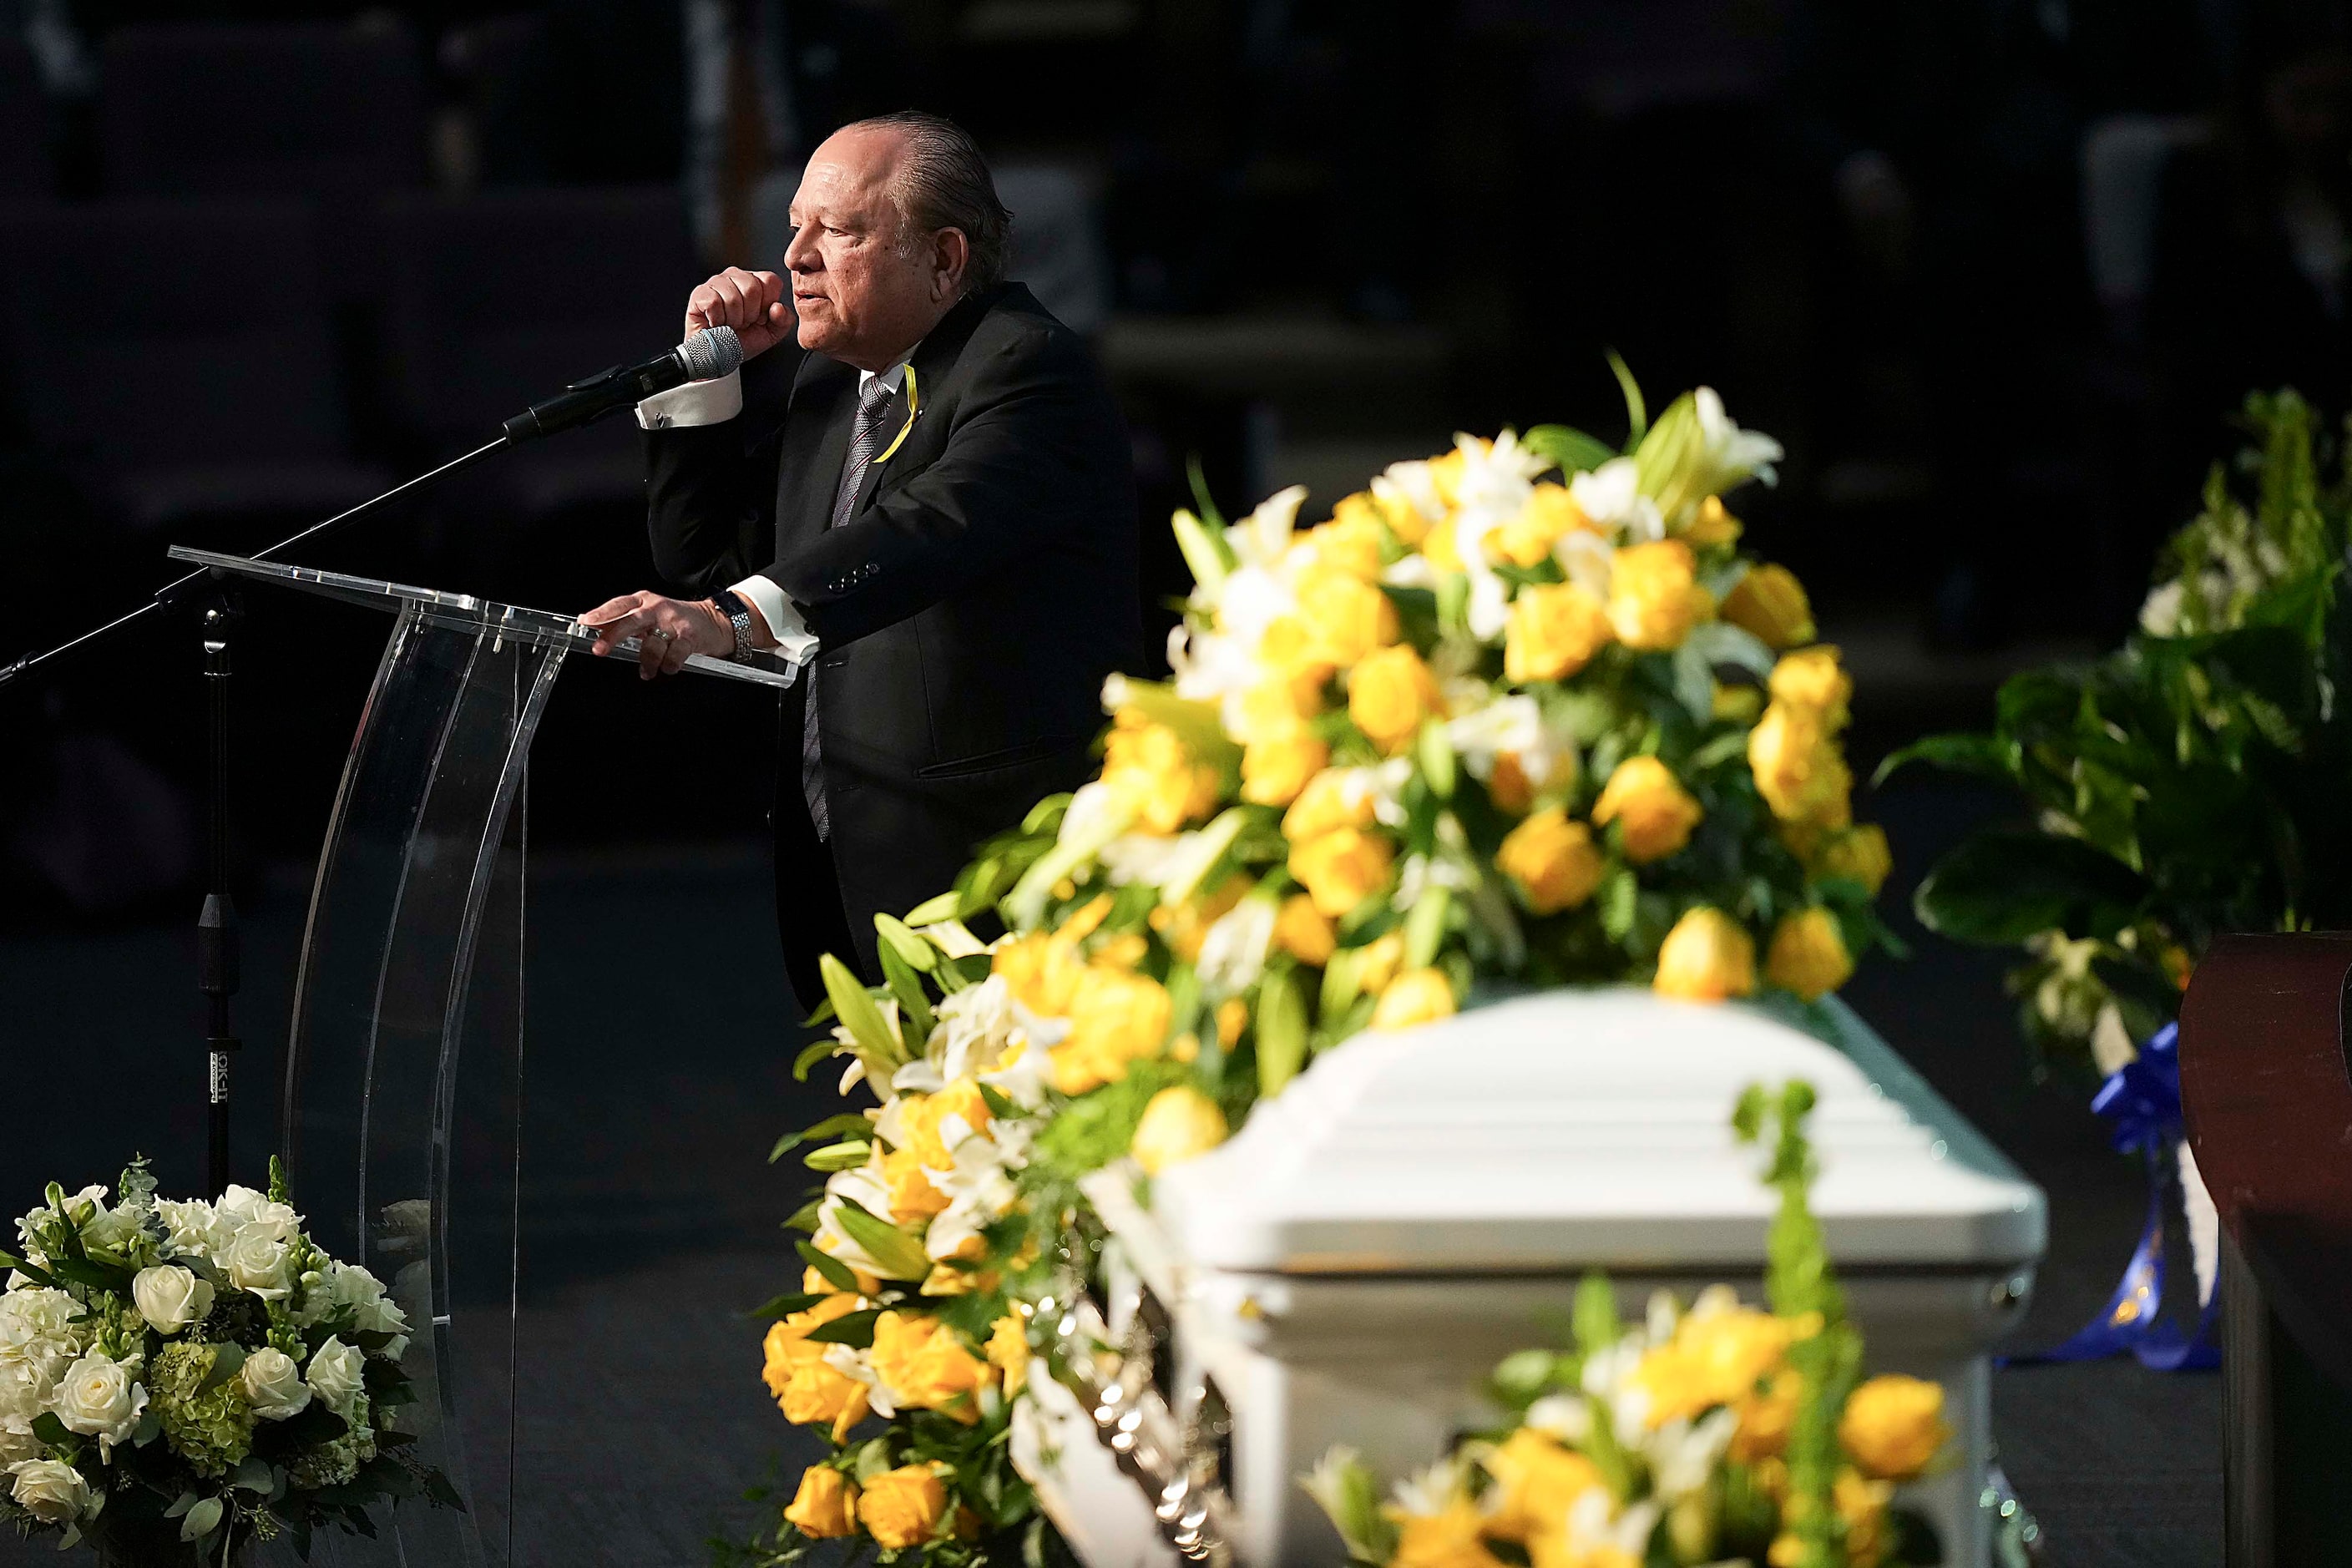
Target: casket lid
{"points": [[1590, 1129]]}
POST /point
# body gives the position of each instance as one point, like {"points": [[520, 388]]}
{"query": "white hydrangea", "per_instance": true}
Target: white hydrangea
{"points": [[38, 1337]]}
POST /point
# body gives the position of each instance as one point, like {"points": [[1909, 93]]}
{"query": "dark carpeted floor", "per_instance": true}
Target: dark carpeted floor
{"points": [[660, 1047]]}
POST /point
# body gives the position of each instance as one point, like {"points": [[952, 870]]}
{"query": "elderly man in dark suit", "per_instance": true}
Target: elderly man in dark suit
{"points": [[932, 509]]}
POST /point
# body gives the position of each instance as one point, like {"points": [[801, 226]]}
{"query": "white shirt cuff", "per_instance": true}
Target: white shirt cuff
{"points": [[795, 644], [695, 403]]}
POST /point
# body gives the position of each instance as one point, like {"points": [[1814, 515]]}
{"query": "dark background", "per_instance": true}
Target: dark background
{"points": [[1995, 271]]}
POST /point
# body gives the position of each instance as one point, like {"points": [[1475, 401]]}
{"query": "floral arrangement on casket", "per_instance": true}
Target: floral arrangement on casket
{"points": [[177, 1378], [1518, 715], [1716, 1433]]}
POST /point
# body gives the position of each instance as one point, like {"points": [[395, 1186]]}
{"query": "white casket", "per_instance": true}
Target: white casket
{"points": [[1353, 1264]]}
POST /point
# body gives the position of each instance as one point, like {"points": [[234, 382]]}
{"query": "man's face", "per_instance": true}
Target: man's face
{"points": [[862, 296]]}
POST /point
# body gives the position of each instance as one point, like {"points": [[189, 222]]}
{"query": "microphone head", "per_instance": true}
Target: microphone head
{"points": [[710, 353]]}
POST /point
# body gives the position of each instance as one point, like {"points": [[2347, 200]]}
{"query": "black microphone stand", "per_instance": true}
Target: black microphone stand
{"points": [[217, 947]]}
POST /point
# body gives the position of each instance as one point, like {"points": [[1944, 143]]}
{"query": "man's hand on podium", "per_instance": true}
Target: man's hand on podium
{"points": [[669, 631], [756, 304]]}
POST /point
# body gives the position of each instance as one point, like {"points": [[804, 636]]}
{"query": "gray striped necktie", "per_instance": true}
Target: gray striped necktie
{"points": [[865, 439]]}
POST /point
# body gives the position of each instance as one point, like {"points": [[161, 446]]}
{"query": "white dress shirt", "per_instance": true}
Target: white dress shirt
{"points": [[714, 403]]}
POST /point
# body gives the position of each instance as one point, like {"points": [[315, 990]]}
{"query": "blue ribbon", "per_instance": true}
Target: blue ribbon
{"points": [[2142, 1103]]}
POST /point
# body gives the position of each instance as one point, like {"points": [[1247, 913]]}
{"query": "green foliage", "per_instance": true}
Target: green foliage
{"points": [[2187, 785]]}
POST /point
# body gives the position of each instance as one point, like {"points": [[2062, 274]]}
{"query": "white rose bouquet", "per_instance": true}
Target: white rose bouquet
{"points": [[179, 1378]]}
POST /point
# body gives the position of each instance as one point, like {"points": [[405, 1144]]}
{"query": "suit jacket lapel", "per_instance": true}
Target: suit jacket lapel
{"points": [[816, 444]]}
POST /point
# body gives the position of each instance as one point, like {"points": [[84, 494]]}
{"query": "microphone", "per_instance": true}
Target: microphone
{"points": [[709, 353]]}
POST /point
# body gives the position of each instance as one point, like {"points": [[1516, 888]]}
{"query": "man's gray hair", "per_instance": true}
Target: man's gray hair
{"points": [[944, 182]]}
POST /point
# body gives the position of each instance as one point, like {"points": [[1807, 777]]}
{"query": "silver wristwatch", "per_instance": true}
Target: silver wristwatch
{"points": [[739, 616]]}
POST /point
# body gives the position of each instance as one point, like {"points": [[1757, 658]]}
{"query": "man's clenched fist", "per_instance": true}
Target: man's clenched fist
{"points": [[756, 304]]}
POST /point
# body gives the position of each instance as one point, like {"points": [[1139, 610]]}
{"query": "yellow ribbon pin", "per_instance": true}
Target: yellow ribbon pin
{"points": [[914, 406]]}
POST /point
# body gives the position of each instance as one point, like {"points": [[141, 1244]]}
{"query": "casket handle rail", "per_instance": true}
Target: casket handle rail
{"points": [[1131, 1417]]}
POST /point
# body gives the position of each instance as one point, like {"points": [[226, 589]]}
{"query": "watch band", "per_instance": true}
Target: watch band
{"points": [[739, 616]]}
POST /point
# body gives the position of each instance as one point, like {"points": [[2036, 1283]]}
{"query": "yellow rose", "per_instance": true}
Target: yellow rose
{"points": [[1341, 868], [1389, 694], [1289, 648], [1767, 1416], [1445, 472], [1508, 786], [1714, 1358], [1552, 860], [925, 1365], [787, 1345], [1707, 958], [1184, 927], [1337, 797], [1349, 543], [1712, 524], [1396, 509], [1655, 816], [1117, 1017], [1808, 955], [1859, 854], [920, 1116], [1796, 766], [1439, 548], [1553, 631], [1549, 513], [1862, 1504], [1275, 707], [1378, 961], [817, 1393], [1812, 681], [1541, 1479], [902, 1507], [1654, 598], [1770, 603], [1008, 1351], [1180, 1123], [1452, 1538], [1233, 1017], [826, 1504], [1416, 996], [1893, 1427], [1301, 931], [1148, 768], [912, 1196], [1041, 972], [1275, 768], [1346, 616], [1360, 510]]}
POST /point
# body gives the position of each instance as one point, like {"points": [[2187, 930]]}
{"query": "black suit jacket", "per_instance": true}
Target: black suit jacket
{"points": [[967, 612]]}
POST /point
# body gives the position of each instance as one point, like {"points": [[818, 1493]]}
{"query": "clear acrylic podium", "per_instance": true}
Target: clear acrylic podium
{"points": [[404, 1066]]}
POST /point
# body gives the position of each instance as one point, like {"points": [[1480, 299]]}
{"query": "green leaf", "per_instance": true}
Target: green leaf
{"points": [[1206, 552], [901, 1256], [1198, 479], [905, 982], [1694, 681], [1637, 413], [833, 1271], [228, 1360], [845, 1156], [813, 1052], [932, 911], [854, 1005], [917, 953], [51, 1431], [2001, 888], [854, 1330], [1281, 1032], [831, 1127], [1982, 756], [1425, 928], [1572, 449], [785, 1305], [1593, 1319]]}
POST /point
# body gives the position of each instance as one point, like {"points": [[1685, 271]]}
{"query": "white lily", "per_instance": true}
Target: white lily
{"points": [[1611, 495], [1234, 948], [1513, 726], [1731, 454]]}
